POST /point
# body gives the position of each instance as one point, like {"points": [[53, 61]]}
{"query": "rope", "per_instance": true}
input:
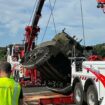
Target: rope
{"points": [[82, 17], [48, 21]]}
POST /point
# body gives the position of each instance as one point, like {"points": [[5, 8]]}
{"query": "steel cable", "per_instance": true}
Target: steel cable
{"points": [[53, 17], [48, 21], [82, 17], [33, 10]]}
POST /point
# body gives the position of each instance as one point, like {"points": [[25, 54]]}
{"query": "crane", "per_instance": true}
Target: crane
{"points": [[32, 31]]}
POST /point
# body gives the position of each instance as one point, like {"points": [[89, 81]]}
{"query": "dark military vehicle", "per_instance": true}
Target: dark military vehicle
{"points": [[51, 57]]}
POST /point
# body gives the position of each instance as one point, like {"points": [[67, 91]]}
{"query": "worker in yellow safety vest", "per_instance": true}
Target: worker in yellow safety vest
{"points": [[10, 91]]}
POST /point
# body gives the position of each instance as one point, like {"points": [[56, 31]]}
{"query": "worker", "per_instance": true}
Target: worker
{"points": [[10, 91]]}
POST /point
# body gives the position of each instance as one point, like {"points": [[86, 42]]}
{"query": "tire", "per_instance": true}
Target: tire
{"points": [[92, 96], [78, 94]]}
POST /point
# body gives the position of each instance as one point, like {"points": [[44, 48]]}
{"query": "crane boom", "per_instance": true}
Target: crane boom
{"points": [[38, 13], [32, 31]]}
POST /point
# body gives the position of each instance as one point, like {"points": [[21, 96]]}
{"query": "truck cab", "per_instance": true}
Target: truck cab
{"points": [[14, 58]]}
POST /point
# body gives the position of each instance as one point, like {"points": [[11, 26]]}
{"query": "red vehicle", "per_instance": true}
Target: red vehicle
{"points": [[31, 34], [26, 77], [32, 77]]}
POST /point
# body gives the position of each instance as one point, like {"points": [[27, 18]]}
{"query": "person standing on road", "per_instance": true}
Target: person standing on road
{"points": [[10, 91]]}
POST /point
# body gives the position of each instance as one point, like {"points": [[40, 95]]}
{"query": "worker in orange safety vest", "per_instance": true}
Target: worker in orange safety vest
{"points": [[10, 91]]}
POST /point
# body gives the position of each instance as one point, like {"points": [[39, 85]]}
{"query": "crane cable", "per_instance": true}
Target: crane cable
{"points": [[52, 8], [83, 29], [33, 10], [82, 17], [53, 17]]}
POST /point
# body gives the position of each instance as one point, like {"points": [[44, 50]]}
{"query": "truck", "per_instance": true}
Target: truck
{"points": [[83, 77], [80, 75], [26, 77], [14, 57], [88, 81]]}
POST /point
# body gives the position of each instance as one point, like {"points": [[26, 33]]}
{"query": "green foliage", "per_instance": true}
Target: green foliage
{"points": [[2, 53], [100, 49]]}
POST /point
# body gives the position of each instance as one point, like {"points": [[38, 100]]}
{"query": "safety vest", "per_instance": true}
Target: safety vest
{"points": [[9, 91]]}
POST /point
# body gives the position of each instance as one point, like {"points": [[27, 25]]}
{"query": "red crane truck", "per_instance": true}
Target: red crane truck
{"points": [[88, 77]]}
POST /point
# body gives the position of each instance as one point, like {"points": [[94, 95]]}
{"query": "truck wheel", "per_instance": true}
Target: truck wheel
{"points": [[92, 95], [78, 94]]}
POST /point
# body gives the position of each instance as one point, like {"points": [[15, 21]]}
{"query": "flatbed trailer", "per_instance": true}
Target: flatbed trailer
{"points": [[47, 98]]}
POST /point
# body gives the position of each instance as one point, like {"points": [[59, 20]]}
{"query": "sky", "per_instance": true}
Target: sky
{"points": [[15, 15]]}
